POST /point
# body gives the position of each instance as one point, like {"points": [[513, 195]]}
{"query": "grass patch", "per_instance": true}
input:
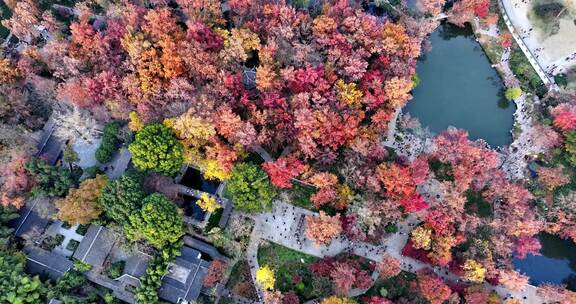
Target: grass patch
{"points": [[442, 171], [493, 50], [290, 267], [398, 289], [240, 281], [5, 13], [72, 245], [214, 219], [300, 195]]}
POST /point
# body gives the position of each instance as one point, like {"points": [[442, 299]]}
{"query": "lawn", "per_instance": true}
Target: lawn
{"points": [[398, 289], [300, 195], [214, 219], [290, 267], [5, 13]]}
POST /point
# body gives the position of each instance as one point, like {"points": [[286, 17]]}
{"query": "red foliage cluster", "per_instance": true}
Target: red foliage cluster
{"points": [[433, 287], [419, 254], [414, 203], [16, 182], [317, 76], [564, 116], [215, 272], [345, 272], [283, 170]]}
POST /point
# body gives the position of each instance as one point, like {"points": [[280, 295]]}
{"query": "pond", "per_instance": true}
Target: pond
{"points": [[458, 87], [194, 179], [556, 264]]}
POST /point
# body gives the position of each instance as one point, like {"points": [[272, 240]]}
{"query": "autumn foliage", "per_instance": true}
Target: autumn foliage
{"points": [[433, 287], [323, 228]]}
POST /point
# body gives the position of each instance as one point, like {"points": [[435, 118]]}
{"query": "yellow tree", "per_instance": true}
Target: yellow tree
{"points": [[474, 271], [192, 130], [135, 123], [8, 72], [421, 237], [337, 300], [265, 277], [82, 205], [213, 170], [207, 203]]}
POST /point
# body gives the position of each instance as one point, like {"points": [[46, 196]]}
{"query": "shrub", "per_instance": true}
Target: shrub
{"points": [[116, 269], [72, 245], [110, 143], [513, 93]]}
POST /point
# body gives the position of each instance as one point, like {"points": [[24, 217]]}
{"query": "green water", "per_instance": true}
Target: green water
{"points": [[459, 88], [556, 263]]}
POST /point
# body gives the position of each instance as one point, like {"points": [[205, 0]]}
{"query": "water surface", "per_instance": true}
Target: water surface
{"points": [[556, 264], [458, 87]]}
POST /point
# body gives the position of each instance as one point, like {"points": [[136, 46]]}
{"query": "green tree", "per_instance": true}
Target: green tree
{"points": [[122, 198], [70, 156], [250, 189], [70, 289], [570, 147], [52, 181], [15, 285], [513, 93], [147, 292], [159, 222], [7, 213], [110, 143], [156, 149]]}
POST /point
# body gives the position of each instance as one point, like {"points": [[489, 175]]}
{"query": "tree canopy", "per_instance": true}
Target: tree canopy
{"points": [[52, 181], [122, 197], [156, 149], [250, 189], [82, 205], [15, 285], [159, 222]]}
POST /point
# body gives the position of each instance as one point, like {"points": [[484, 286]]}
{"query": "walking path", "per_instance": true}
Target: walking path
{"points": [[514, 160], [504, 8]]}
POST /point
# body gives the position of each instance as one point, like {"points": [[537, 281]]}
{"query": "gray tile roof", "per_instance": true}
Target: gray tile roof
{"points": [[95, 246], [136, 264], [40, 261], [185, 277], [30, 219]]}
